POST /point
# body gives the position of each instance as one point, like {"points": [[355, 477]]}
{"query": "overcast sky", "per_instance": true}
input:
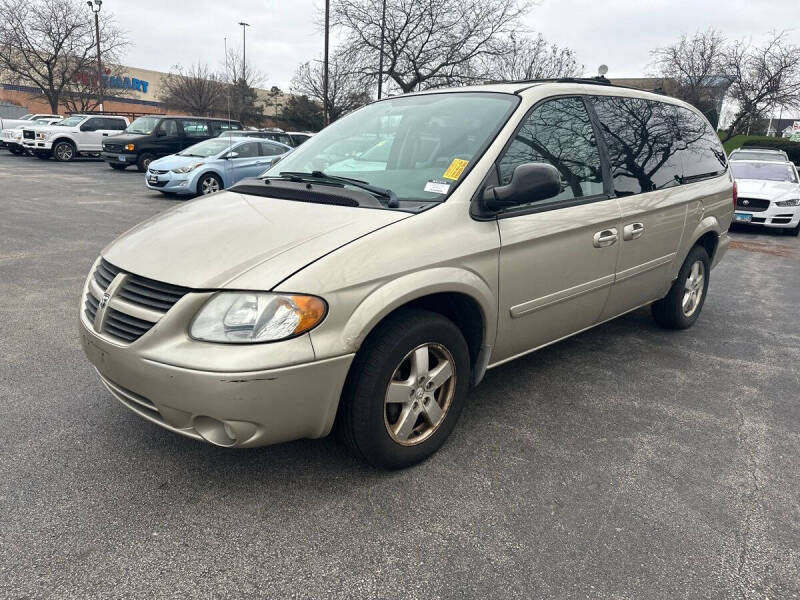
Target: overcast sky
{"points": [[284, 33]]}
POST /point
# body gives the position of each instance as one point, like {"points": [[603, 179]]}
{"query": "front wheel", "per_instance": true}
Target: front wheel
{"points": [[208, 184], [64, 151], [795, 231], [143, 163], [681, 307], [406, 389]]}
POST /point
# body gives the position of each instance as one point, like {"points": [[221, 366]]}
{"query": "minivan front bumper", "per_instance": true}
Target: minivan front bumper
{"points": [[232, 409]]}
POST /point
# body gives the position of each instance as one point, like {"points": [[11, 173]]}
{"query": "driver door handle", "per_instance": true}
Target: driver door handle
{"points": [[604, 238], [632, 231]]}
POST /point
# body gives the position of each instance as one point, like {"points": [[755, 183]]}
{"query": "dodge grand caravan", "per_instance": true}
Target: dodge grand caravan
{"points": [[504, 218]]}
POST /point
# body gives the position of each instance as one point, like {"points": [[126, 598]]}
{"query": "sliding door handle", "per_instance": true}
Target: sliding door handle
{"points": [[605, 238], [632, 231]]}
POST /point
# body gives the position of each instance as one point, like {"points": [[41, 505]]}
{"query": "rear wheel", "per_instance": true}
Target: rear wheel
{"points": [[681, 307], [144, 161], [208, 184], [406, 389], [64, 151], [118, 167]]}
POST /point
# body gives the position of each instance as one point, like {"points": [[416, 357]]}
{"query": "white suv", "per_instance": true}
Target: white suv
{"points": [[75, 135]]}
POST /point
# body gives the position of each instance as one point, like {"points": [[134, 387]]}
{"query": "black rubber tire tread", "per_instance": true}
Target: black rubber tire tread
{"points": [[667, 312], [360, 422], [200, 179]]}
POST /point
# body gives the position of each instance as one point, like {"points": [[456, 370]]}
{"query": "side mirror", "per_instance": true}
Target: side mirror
{"points": [[530, 182], [231, 155]]}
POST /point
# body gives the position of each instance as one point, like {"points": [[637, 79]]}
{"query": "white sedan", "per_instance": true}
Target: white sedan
{"points": [[768, 194]]}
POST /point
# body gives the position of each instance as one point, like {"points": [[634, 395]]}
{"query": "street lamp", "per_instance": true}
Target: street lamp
{"points": [[244, 47], [95, 6]]}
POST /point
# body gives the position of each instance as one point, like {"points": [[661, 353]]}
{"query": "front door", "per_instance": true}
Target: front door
{"points": [[168, 138], [558, 256], [248, 163]]}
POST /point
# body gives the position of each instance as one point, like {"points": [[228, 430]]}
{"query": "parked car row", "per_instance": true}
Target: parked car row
{"points": [[768, 189], [179, 154]]}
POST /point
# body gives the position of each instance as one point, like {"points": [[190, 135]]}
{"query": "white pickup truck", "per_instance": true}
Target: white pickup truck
{"points": [[26, 120], [11, 138], [75, 135]]}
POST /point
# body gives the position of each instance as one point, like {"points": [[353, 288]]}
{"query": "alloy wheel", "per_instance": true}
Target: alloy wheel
{"points": [[209, 185], [419, 394], [64, 152], [693, 288]]}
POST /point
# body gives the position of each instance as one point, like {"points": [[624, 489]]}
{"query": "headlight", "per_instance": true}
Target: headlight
{"points": [[187, 169], [129, 147], [791, 202], [251, 317]]}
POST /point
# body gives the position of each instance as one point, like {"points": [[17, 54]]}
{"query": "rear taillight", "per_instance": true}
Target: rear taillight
{"points": [[735, 193]]}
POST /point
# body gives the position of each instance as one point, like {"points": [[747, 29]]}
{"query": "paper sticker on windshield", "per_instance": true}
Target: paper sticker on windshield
{"points": [[437, 187], [455, 169]]}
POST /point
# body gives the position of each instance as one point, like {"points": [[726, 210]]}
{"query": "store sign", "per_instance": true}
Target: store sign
{"points": [[112, 81]]}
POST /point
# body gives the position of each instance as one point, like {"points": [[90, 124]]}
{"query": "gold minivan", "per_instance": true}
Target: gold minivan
{"points": [[372, 277]]}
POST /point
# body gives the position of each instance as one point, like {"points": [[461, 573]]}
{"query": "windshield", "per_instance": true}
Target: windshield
{"points": [[71, 121], [417, 146], [143, 125], [207, 148], [764, 170], [755, 155]]}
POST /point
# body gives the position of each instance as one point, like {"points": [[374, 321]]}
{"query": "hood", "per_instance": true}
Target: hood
{"points": [[238, 241], [130, 138], [174, 161], [766, 190]]}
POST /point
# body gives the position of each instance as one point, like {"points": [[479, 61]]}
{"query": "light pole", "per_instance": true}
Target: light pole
{"points": [[380, 60], [244, 47], [95, 6], [325, 66]]}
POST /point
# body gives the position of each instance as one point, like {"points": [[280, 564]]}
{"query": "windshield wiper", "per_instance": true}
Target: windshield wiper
{"points": [[391, 198]]}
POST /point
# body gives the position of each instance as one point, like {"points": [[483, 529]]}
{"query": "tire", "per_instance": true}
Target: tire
{"points": [[394, 435], [209, 184], [795, 231], [145, 158], [117, 167], [64, 151], [681, 307], [15, 151]]}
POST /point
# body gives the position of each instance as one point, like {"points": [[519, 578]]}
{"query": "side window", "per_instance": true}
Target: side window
{"points": [[268, 149], [703, 154], [169, 127], [644, 143], [558, 132], [115, 124], [248, 150], [195, 129], [92, 124]]}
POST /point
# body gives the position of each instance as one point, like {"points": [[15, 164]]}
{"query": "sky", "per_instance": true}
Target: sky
{"points": [[283, 34]]}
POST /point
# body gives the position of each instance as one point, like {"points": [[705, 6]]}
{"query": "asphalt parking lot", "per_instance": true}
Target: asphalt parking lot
{"points": [[627, 462]]}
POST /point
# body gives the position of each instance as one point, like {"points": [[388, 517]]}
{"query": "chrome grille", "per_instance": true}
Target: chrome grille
{"points": [[112, 147], [136, 294], [28, 134], [158, 171]]}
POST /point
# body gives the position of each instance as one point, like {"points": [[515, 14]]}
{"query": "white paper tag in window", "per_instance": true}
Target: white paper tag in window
{"points": [[437, 187]]}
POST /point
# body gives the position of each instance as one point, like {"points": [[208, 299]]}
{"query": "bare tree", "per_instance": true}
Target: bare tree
{"points": [[523, 58], [347, 89], [195, 90], [83, 92], [428, 43], [45, 42], [763, 77], [240, 81], [696, 69]]}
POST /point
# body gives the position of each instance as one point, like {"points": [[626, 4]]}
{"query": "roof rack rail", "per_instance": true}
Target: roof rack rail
{"points": [[599, 80]]}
